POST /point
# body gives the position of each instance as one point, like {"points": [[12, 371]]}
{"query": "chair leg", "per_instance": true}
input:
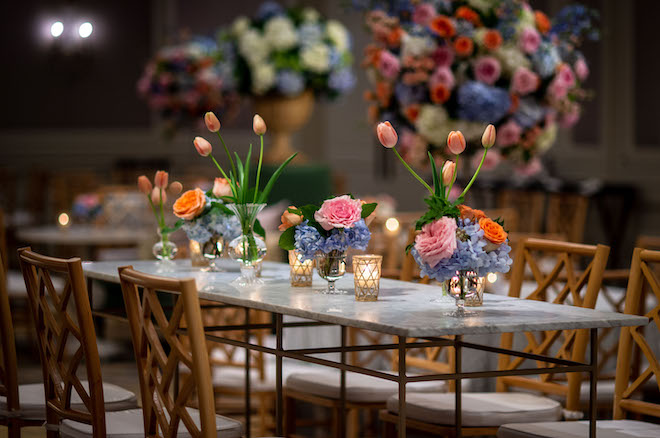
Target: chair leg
{"points": [[289, 416], [263, 415], [52, 420], [13, 429], [389, 430], [353, 423]]}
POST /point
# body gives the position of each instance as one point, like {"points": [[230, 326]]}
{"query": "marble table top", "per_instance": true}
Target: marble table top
{"points": [[403, 308], [84, 235]]}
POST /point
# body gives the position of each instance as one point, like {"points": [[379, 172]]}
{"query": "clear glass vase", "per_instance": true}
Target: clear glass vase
{"points": [[212, 251], [464, 286], [248, 249], [164, 249], [331, 267]]}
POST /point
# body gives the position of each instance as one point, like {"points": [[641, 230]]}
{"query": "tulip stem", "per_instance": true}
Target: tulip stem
{"points": [[231, 161], [162, 211], [413, 173], [261, 155], [474, 177], [453, 177]]}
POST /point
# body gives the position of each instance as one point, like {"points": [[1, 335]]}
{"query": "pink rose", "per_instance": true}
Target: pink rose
{"points": [[487, 70], [581, 69], [530, 40], [442, 76], [437, 241], [443, 56], [524, 81], [388, 64], [557, 89], [531, 168], [570, 117], [509, 133], [493, 158], [565, 76], [339, 212], [221, 188], [423, 14]]}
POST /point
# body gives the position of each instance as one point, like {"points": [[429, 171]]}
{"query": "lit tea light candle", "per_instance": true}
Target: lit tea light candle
{"points": [[392, 224], [366, 276], [63, 220], [301, 270]]}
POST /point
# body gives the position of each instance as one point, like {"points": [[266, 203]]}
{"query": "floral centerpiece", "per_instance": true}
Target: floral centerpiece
{"points": [[325, 232], [440, 66], [455, 244], [156, 194], [183, 81], [242, 197]]}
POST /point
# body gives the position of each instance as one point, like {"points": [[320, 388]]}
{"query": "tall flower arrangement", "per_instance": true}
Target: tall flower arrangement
{"points": [[286, 51], [439, 66]]}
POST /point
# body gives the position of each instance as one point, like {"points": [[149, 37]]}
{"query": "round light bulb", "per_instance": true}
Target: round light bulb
{"points": [[63, 219], [491, 277], [392, 224], [85, 29], [56, 29]]}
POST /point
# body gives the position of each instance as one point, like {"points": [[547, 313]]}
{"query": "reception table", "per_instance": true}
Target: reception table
{"points": [[403, 310]]}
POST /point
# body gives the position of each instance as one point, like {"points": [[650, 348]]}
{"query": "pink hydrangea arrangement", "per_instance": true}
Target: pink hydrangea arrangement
{"points": [[437, 67]]}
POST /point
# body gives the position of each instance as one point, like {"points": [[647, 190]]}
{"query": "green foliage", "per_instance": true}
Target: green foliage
{"points": [[259, 229], [367, 209], [287, 239], [173, 228], [438, 207]]}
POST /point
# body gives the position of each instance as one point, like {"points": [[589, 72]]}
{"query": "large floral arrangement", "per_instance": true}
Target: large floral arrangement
{"points": [[286, 51], [336, 225], [446, 65], [184, 81], [454, 238]]}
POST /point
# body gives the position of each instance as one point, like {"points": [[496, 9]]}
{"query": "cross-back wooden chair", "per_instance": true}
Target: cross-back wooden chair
{"points": [[567, 215], [68, 349], [160, 353], [628, 401], [364, 394], [531, 202], [434, 413]]}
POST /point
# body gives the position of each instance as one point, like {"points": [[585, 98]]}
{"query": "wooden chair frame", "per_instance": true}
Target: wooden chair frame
{"points": [[164, 406], [55, 329]]}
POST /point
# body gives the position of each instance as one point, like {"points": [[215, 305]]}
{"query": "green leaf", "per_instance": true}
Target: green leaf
{"points": [[273, 179], [246, 174], [308, 211], [258, 229], [409, 247], [175, 227], [288, 239], [438, 207], [367, 209], [295, 211], [437, 182]]}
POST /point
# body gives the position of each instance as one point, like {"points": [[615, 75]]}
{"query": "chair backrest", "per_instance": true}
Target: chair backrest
{"points": [[567, 214], [8, 364], [531, 202], [573, 278], [159, 353], [66, 338], [642, 273]]}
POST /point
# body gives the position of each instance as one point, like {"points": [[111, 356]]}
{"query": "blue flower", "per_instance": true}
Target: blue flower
{"points": [[290, 83], [269, 9], [309, 34], [341, 80], [479, 102], [529, 113], [546, 59], [308, 241], [407, 95]]}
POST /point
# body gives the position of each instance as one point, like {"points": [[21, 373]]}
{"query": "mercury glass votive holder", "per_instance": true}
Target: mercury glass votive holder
{"points": [[301, 270], [366, 276]]}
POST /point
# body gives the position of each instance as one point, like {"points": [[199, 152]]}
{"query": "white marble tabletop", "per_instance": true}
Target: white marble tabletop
{"points": [[403, 308]]}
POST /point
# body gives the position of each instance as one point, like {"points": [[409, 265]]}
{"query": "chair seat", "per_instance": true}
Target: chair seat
{"points": [[33, 400], [580, 429], [480, 409], [130, 424], [360, 388], [234, 378]]}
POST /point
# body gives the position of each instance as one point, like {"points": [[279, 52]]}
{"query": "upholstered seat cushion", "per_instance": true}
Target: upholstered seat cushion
{"points": [[130, 424], [360, 388], [580, 429], [485, 409], [234, 377], [33, 400]]}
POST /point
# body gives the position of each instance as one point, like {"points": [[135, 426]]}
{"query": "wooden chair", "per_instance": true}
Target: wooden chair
{"points": [[364, 394], [628, 387], [567, 215], [434, 413], [531, 205], [160, 353], [66, 339]]}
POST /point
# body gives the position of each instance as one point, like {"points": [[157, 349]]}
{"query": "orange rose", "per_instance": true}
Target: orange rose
{"points": [[463, 46], [412, 112], [471, 213], [440, 94], [492, 39], [542, 22], [443, 26], [468, 14], [289, 219], [190, 204], [394, 37], [493, 232]]}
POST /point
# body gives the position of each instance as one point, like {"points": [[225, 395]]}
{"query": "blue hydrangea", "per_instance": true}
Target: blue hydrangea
{"points": [[341, 80], [310, 34], [269, 9], [407, 95], [479, 102], [212, 222], [546, 59], [290, 83], [529, 113], [469, 255], [574, 22], [308, 241]]}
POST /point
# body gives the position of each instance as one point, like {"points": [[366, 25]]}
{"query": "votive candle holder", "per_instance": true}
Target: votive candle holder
{"points": [[366, 276], [301, 270]]}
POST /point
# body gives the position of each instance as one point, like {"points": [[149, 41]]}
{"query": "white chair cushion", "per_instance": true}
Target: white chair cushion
{"points": [[484, 409], [360, 388], [33, 400], [580, 429], [130, 424], [234, 378]]}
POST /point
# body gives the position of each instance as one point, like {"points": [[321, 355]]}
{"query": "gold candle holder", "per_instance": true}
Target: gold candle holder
{"points": [[366, 276], [301, 270]]}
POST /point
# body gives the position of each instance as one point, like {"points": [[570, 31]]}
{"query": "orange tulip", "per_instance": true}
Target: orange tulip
{"points": [[203, 147], [144, 185], [212, 122], [488, 139], [448, 170], [258, 125], [161, 178], [387, 135], [456, 142]]}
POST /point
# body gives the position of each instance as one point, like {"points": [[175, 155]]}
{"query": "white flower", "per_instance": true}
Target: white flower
{"points": [[240, 25], [526, 19], [316, 58], [280, 33], [479, 35], [430, 124], [263, 77], [252, 46], [511, 57], [416, 45], [310, 15], [547, 138], [337, 33], [483, 5]]}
